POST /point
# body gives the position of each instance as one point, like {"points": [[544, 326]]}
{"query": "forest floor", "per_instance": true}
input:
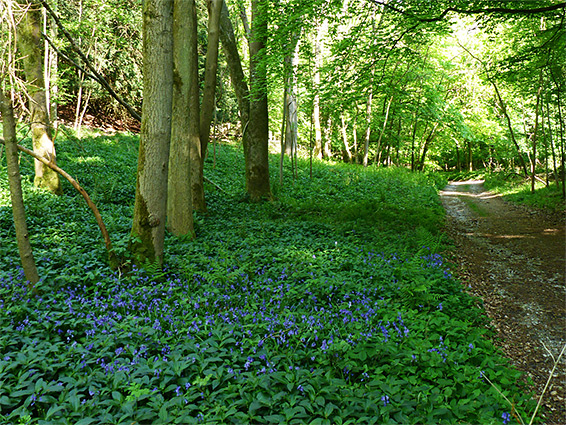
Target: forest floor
{"points": [[513, 257]]}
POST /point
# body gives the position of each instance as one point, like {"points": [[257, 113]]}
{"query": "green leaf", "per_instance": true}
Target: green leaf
{"points": [[52, 410]]}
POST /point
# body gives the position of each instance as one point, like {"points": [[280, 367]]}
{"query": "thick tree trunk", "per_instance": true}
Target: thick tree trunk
{"points": [[12, 162], [179, 195], [151, 190], [31, 48], [211, 66], [256, 146]]}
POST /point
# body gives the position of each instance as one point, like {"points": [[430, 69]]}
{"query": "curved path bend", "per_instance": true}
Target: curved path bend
{"points": [[514, 258]]}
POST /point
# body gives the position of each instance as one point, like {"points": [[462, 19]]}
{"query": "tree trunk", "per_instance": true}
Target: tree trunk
{"points": [[230, 49], [151, 189], [256, 146], [179, 195], [327, 138], [292, 127], [283, 132], [211, 66], [368, 124], [345, 138], [12, 162], [534, 161], [31, 48], [378, 151], [317, 151], [196, 161]]}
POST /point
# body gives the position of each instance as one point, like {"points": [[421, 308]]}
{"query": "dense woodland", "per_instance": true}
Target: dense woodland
{"points": [[275, 157]]}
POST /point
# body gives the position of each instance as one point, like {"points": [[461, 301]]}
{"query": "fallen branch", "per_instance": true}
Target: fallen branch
{"points": [[215, 185], [111, 255]]}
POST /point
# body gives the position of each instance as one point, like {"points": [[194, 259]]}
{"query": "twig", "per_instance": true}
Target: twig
{"points": [[215, 185], [513, 409], [548, 380]]}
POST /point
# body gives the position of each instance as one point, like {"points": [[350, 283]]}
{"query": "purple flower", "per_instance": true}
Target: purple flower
{"points": [[506, 418]]}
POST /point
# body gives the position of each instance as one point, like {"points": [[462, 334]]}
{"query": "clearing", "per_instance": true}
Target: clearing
{"points": [[513, 258]]}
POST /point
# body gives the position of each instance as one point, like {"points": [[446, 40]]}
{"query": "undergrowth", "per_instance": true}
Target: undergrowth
{"points": [[329, 305], [518, 189]]}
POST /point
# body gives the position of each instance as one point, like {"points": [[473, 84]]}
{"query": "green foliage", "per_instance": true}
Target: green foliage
{"points": [[518, 189], [330, 305]]}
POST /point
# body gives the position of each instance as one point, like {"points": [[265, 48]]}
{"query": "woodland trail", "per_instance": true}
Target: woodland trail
{"points": [[514, 259]]}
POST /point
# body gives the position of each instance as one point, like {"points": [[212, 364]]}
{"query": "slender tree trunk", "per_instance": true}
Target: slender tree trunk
{"points": [[196, 153], [31, 48], [211, 66], [256, 149], [378, 152], [151, 189], [12, 162], [534, 161], [327, 138], [551, 140], [426, 146], [345, 138], [291, 133], [283, 132], [368, 123], [179, 194], [317, 151], [50, 68]]}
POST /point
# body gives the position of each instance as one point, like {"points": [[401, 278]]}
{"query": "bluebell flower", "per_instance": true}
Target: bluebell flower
{"points": [[506, 418]]}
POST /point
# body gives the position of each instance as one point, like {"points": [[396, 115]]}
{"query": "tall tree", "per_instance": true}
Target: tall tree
{"points": [[31, 49], [12, 162], [179, 194], [252, 101], [256, 149], [151, 189]]}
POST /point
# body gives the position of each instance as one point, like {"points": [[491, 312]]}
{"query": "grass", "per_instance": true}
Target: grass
{"points": [[518, 189], [331, 304]]}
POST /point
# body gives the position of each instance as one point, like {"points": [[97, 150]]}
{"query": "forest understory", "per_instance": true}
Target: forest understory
{"points": [[513, 258]]}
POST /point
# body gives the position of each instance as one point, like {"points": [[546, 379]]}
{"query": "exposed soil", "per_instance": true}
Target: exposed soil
{"points": [[513, 258]]}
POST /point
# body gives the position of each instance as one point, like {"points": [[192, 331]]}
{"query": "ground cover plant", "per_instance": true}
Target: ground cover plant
{"points": [[331, 304]]}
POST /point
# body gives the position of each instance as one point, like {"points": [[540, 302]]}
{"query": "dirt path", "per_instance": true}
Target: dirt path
{"points": [[514, 258]]}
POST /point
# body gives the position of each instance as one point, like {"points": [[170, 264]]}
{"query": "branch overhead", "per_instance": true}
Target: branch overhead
{"points": [[487, 10]]}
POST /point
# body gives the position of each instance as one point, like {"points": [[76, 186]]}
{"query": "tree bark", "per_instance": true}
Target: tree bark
{"points": [[151, 189], [256, 146], [12, 162], [211, 66], [345, 138], [230, 49], [31, 48], [179, 195], [534, 162], [317, 151], [195, 147]]}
